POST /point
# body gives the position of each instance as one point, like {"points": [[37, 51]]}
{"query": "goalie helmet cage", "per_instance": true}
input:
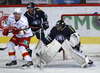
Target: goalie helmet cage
{"points": [[65, 15]]}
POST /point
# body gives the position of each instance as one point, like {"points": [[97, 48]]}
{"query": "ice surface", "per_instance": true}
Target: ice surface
{"points": [[56, 66]]}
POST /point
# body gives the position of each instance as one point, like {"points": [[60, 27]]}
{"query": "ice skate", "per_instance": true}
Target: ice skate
{"points": [[28, 65], [12, 64]]}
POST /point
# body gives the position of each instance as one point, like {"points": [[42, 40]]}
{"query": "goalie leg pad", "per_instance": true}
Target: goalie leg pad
{"points": [[47, 55], [40, 47], [78, 57]]}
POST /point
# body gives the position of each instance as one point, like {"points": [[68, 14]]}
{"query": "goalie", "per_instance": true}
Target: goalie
{"points": [[63, 37]]}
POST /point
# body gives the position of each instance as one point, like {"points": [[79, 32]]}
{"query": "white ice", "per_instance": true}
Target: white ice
{"points": [[56, 66]]}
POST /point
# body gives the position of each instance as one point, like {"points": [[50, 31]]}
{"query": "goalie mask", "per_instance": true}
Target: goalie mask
{"points": [[60, 25]]}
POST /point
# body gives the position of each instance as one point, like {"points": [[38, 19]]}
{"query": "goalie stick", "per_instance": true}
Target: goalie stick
{"points": [[40, 51]]}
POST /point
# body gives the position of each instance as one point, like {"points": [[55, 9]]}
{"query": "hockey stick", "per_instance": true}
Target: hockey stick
{"points": [[37, 32], [11, 32], [3, 48], [20, 30], [28, 28], [40, 51]]}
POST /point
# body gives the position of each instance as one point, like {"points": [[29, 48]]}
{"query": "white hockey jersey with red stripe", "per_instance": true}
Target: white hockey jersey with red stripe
{"points": [[22, 23]]}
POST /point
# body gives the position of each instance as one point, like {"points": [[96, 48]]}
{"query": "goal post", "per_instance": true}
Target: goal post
{"points": [[85, 25]]}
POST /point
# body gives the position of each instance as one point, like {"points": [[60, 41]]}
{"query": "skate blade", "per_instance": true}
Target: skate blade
{"points": [[13, 66], [28, 67], [90, 65]]}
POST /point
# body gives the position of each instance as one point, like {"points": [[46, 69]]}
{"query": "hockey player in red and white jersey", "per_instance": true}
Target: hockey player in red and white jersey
{"points": [[21, 37]]}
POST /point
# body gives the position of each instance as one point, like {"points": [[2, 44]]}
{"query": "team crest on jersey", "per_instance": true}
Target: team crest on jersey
{"points": [[25, 42], [60, 38]]}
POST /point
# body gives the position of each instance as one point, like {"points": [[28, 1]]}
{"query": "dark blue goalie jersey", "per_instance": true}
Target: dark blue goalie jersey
{"points": [[60, 35]]}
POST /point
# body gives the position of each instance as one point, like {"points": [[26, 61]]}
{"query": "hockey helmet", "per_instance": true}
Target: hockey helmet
{"points": [[30, 5], [17, 10]]}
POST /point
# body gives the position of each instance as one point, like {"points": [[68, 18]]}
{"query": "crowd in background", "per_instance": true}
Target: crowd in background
{"points": [[16, 2]]}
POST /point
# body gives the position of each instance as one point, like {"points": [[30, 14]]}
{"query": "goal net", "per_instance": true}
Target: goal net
{"points": [[88, 26]]}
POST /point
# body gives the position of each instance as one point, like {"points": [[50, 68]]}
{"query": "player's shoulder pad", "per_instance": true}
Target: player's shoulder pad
{"points": [[23, 19], [70, 28], [11, 16], [53, 29], [38, 9], [25, 13]]}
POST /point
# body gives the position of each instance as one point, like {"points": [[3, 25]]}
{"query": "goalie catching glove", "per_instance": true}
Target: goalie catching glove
{"points": [[74, 39]]}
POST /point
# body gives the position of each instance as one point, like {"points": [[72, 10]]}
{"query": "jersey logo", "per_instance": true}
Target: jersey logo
{"points": [[37, 15], [14, 38], [25, 42], [15, 23], [60, 38]]}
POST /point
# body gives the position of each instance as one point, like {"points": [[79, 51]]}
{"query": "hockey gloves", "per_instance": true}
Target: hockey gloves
{"points": [[45, 25], [5, 31], [15, 31]]}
